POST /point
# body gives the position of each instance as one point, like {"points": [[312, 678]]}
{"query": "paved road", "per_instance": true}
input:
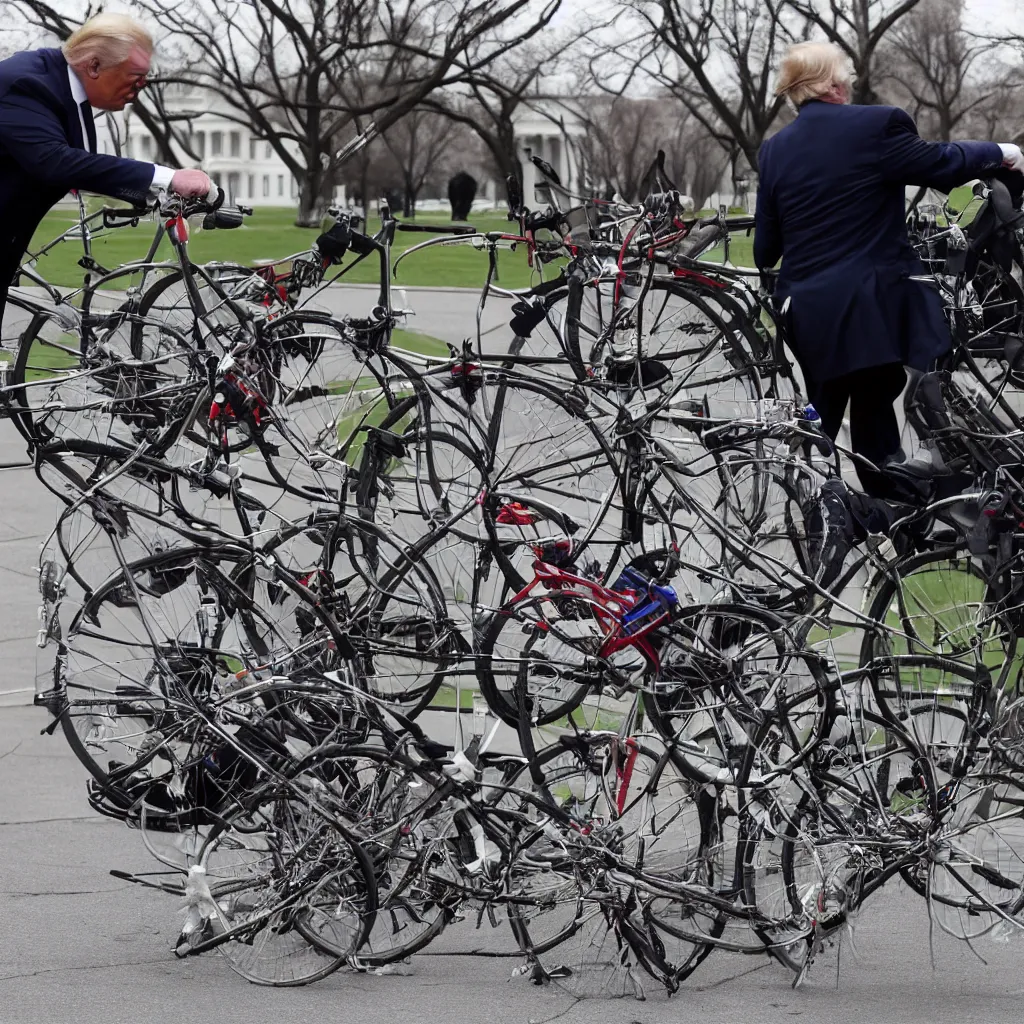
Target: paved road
{"points": [[80, 946], [445, 313]]}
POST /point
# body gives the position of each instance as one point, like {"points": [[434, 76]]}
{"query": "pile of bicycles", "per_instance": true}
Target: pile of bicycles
{"points": [[574, 634]]}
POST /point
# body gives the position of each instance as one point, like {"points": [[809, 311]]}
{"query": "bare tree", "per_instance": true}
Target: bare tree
{"points": [[695, 159], [305, 74], [622, 139], [488, 103], [859, 28], [418, 143], [932, 60], [620, 142], [718, 57], [1002, 115]]}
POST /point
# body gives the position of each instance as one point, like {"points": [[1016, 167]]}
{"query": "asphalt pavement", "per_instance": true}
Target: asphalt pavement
{"points": [[77, 945]]}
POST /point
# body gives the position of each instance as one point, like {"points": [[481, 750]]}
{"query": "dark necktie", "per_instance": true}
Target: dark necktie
{"points": [[90, 125]]}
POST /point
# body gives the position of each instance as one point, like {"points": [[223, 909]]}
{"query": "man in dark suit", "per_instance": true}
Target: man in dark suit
{"points": [[48, 133], [831, 205]]}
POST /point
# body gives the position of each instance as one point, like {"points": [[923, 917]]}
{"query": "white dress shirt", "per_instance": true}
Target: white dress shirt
{"points": [[161, 175]]}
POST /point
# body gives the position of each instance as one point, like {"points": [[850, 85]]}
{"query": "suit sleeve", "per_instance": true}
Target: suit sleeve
{"points": [[33, 136], [767, 232], [909, 160]]}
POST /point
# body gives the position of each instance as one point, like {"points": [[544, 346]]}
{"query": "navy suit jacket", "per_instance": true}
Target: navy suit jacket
{"points": [[43, 154], [831, 204]]}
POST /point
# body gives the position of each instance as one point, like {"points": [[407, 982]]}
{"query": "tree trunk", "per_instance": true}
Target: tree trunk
{"points": [[311, 201]]}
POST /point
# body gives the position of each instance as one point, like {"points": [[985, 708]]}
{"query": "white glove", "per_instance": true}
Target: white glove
{"points": [[1012, 156]]}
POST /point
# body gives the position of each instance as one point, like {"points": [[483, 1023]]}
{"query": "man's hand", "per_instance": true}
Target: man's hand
{"points": [[194, 184], [1012, 156]]}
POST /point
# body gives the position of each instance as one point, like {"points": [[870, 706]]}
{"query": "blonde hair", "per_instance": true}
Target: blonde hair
{"points": [[809, 70], [110, 38]]}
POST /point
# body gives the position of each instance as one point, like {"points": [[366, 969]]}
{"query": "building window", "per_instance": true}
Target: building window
{"points": [[252, 149], [199, 144], [294, 190], [266, 184], [234, 184], [147, 146], [216, 178], [216, 143], [280, 184], [252, 186], [268, 151], [235, 143]]}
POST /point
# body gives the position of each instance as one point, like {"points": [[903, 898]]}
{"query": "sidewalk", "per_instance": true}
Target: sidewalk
{"points": [[80, 947]]}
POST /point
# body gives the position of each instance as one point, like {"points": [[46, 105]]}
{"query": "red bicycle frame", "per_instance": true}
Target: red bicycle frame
{"points": [[607, 605]]}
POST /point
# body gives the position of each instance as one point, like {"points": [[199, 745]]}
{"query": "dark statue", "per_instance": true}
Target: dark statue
{"points": [[461, 193]]}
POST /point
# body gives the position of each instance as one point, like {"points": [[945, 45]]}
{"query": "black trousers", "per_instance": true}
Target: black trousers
{"points": [[874, 430]]}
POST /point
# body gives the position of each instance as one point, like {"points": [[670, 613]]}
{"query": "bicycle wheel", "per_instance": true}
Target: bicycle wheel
{"points": [[935, 607], [166, 303], [402, 828], [277, 875], [551, 644], [632, 807], [730, 686]]}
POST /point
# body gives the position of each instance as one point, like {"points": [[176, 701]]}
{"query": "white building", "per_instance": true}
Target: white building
{"points": [[250, 170], [244, 164], [547, 127]]}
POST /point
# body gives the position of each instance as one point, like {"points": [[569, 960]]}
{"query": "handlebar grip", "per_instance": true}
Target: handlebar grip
{"points": [[215, 198], [225, 217]]}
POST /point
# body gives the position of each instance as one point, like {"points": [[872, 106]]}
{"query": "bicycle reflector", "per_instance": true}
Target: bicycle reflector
{"points": [[516, 514]]}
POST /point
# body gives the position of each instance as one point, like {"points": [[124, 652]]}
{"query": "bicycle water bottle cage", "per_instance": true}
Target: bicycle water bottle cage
{"points": [[662, 600], [632, 579]]}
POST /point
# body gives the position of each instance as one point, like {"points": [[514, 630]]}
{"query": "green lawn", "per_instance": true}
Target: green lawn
{"points": [[270, 234], [946, 608]]}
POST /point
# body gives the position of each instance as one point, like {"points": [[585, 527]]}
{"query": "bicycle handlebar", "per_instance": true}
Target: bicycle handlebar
{"points": [[436, 229]]}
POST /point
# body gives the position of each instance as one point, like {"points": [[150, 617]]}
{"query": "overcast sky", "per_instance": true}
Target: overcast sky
{"points": [[990, 15], [993, 15]]}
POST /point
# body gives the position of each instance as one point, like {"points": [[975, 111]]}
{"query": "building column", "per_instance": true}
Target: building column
{"points": [[529, 176]]}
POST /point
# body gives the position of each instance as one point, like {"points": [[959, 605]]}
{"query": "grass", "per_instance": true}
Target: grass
{"points": [[415, 341], [944, 603], [270, 234], [585, 716], [44, 358]]}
